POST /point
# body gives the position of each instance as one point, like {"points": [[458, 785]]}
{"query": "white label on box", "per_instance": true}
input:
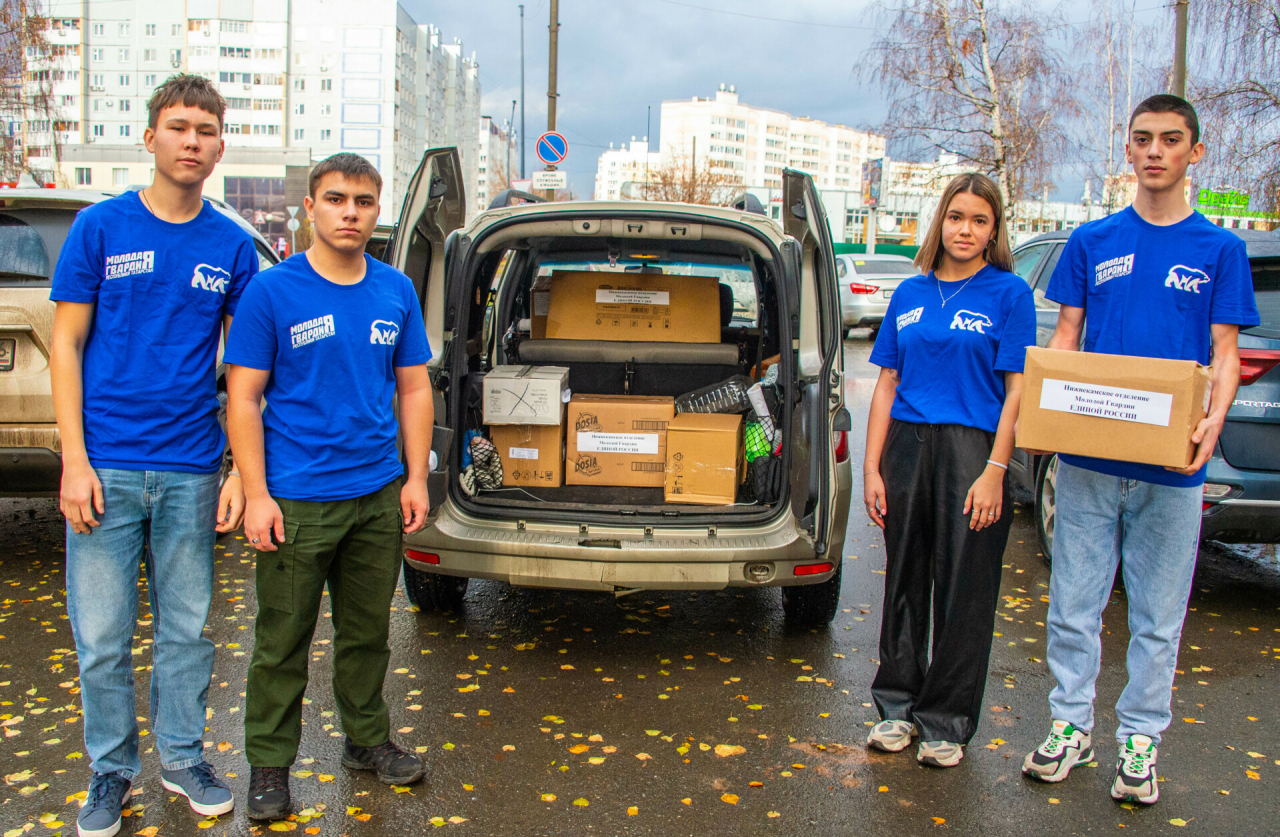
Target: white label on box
{"points": [[523, 453], [1107, 402], [541, 303], [626, 296], [638, 443]]}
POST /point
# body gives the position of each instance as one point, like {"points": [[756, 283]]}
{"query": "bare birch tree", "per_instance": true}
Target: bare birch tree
{"points": [[1234, 79], [682, 180], [28, 112], [976, 78]]}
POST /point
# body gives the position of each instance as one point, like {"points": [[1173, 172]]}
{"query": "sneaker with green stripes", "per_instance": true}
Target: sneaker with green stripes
{"points": [[1065, 747], [1136, 772]]}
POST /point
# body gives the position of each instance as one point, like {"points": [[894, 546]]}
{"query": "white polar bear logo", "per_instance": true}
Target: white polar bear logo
{"points": [[384, 333]]}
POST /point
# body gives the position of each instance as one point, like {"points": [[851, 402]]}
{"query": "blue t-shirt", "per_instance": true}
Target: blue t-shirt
{"points": [[160, 291], [330, 427], [1152, 291], [951, 359]]}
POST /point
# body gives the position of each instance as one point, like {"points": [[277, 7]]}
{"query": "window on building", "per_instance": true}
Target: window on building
{"points": [[235, 52], [260, 201], [266, 130], [175, 57], [325, 134], [239, 103], [99, 29], [98, 131], [298, 134], [270, 79], [267, 104], [99, 81], [241, 26], [149, 30], [326, 110], [66, 125], [125, 105], [149, 80], [300, 109], [119, 177], [149, 55], [300, 84], [124, 30], [96, 54], [326, 84], [175, 29], [124, 79], [84, 176], [123, 55], [67, 101], [236, 78], [124, 130]]}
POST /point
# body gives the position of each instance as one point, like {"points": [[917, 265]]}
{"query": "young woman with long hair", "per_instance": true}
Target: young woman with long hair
{"points": [[939, 437]]}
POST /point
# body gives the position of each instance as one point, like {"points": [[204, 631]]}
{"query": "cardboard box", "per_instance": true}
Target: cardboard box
{"points": [[539, 305], [652, 307], [1134, 409], [532, 454], [705, 461], [525, 394], [617, 440]]}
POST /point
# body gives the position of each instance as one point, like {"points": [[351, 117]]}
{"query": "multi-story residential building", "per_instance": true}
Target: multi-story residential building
{"points": [[758, 143], [496, 160], [322, 75], [622, 172]]}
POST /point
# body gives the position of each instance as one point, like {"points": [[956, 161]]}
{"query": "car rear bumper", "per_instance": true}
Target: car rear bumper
{"points": [[616, 557], [1250, 512], [30, 461], [863, 314]]}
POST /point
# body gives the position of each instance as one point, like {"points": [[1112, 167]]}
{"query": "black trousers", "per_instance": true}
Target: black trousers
{"points": [[932, 552]]}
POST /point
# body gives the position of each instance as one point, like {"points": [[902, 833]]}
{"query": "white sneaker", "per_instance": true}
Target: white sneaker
{"points": [[1065, 747], [1136, 772], [940, 753], [891, 736]]}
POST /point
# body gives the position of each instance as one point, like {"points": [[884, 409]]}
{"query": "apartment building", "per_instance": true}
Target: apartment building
{"points": [[758, 143], [496, 162], [623, 171], [322, 75]]}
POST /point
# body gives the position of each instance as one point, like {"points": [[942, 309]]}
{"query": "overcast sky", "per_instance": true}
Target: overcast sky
{"points": [[619, 56]]}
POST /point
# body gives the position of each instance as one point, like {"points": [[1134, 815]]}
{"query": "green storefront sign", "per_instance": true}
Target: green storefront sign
{"points": [[1229, 204]]}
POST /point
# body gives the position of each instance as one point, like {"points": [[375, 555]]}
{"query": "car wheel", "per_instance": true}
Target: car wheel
{"points": [[812, 605], [1047, 504], [875, 331], [432, 591]]}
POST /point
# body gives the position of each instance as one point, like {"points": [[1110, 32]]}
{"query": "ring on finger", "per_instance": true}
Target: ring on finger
{"points": [[255, 540]]}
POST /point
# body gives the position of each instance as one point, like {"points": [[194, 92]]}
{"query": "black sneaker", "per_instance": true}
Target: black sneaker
{"points": [[268, 793], [393, 765]]}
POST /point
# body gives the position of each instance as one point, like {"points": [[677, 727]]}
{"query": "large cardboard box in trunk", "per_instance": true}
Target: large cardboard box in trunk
{"points": [[617, 440], [532, 454], [1134, 409], [540, 304], [525, 394], [704, 458], [651, 307]]}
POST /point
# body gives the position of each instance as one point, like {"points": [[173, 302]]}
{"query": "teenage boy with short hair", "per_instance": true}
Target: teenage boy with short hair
{"points": [[1155, 280], [331, 337], [145, 284]]}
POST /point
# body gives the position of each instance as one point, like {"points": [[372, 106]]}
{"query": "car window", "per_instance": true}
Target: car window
{"points": [[1042, 282], [1026, 260], [842, 270], [1266, 291], [23, 258], [266, 258], [884, 267]]}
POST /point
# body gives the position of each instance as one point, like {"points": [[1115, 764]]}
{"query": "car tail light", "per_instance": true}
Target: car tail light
{"points": [[1254, 363], [842, 445], [814, 569], [859, 288], [1216, 490], [422, 557]]}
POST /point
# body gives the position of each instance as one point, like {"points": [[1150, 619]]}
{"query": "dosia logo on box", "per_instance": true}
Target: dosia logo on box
{"points": [[210, 278], [1186, 278], [384, 332], [971, 321]]}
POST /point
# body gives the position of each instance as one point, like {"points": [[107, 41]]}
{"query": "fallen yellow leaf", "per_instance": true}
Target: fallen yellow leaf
{"points": [[937, 820], [773, 814], [581, 802], [884, 789], [324, 777], [1179, 821], [283, 825], [687, 801], [643, 756], [731, 798], [548, 797], [632, 811], [1252, 774], [456, 820], [726, 750], [576, 749], [151, 831]]}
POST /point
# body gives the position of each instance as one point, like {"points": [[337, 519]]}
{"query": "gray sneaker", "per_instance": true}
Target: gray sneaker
{"points": [[1065, 747], [1136, 772], [891, 736], [940, 753], [100, 816], [205, 792]]}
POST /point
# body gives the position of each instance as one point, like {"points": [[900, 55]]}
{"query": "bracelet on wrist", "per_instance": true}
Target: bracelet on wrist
{"points": [[866, 473], [997, 464], [233, 473]]}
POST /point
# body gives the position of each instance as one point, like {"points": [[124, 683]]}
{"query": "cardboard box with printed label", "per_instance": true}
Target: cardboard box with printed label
{"points": [[1133, 409], [652, 307], [617, 440], [532, 454], [525, 394], [705, 462]]}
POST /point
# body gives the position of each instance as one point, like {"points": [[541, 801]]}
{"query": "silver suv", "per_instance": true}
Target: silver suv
{"points": [[476, 286]]}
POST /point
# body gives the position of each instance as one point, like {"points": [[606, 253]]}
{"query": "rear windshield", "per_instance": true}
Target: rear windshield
{"points": [[23, 257], [739, 278], [1266, 290], [883, 267]]}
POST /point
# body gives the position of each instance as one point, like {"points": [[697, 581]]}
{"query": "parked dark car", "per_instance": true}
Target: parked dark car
{"points": [[1242, 486]]}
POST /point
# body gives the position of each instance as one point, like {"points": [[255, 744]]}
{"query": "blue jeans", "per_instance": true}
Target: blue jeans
{"points": [[165, 520], [1156, 529]]}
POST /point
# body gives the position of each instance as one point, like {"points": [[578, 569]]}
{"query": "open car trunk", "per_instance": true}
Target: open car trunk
{"points": [[498, 280]]}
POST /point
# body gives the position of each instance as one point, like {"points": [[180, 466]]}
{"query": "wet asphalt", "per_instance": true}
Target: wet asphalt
{"points": [[666, 713]]}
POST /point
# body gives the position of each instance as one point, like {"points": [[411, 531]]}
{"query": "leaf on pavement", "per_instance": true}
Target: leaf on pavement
{"points": [[731, 798], [726, 750]]}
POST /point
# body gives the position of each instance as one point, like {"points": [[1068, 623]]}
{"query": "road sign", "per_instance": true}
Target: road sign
{"points": [[293, 211], [543, 180], [293, 225], [551, 148]]}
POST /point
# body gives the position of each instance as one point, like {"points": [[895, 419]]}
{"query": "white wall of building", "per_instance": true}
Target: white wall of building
{"points": [[630, 163]]}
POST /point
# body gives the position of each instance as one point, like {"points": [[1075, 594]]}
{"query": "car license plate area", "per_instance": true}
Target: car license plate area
{"points": [[8, 348], [887, 294]]}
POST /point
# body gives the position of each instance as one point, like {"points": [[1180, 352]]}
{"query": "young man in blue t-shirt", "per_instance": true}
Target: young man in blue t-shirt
{"points": [[145, 284], [1154, 280], [332, 338]]}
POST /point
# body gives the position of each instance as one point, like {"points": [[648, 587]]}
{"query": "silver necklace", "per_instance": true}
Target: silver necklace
{"points": [[946, 299]]}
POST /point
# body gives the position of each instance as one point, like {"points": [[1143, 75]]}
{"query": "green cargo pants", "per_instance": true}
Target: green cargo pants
{"points": [[354, 547]]}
